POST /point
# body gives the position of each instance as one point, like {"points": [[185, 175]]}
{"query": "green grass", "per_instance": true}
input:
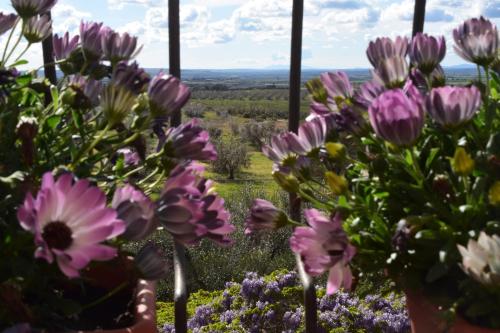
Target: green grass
{"points": [[259, 173]]}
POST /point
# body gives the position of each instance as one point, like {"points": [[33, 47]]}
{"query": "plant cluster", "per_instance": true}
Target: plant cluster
{"points": [[273, 304], [70, 193], [402, 174]]}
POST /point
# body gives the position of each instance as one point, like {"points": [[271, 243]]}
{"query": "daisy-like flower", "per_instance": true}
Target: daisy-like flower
{"points": [[481, 259], [264, 215], [384, 48], [190, 210], [88, 90], [167, 94], [117, 47], [36, 29], [279, 149], [426, 52], [392, 72], [337, 85], [64, 46], [91, 34], [30, 8], [324, 247], [312, 135], [70, 220], [116, 103], [131, 77], [7, 21]]}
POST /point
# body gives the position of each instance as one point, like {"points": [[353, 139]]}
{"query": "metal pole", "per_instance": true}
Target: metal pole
{"points": [[48, 57], [181, 294], [174, 49], [311, 316], [419, 17]]}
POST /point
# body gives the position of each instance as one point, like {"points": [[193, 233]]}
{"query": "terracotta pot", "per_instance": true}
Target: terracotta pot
{"points": [[426, 317], [145, 311]]}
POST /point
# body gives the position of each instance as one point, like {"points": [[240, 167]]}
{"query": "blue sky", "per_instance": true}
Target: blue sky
{"points": [[255, 33]]}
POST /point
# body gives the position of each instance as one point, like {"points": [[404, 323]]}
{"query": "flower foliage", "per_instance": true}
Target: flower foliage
{"points": [[405, 169], [78, 177]]}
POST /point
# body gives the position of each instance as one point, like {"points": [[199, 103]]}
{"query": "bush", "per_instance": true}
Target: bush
{"points": [[273, 303], [258, 133], [194, 110], [232, 156]]}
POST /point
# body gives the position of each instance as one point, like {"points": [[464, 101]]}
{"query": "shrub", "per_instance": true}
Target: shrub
{"points": [[232, 156], [258, 133]]}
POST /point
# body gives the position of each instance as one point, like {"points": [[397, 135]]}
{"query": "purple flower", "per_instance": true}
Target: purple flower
{"points": [[30, 8], [337, 85], [397, 116], [131, 77], [7, 21], [279, 149], [136, 210], [202, 317], [312, 135], [150, 263], [91, 34], [70, 220], [264, 215], [367, 93], [319, 109], [190, 141], [384, 48], [350, 120], [437, 78], [252, 287], [392, 72], [130, 156], [190, 210], [167, 95], [453, 106], [426, 52], [117, 47], [324, 246], [64, 46], [36, 29], [85, 88], [476, 40]]}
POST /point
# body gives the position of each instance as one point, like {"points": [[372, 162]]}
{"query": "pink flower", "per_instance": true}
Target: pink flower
{"points": [[70, 220], [324, 246], [312, 135], [190, 210], [64, 46], [136, 210]]}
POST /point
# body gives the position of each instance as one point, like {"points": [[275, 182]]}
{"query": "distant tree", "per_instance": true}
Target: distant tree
{"points": [[194, 110], [232, 156], [258, 133]]}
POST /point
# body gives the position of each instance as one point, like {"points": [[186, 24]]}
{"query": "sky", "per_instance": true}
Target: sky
{"points": [[223, 34]]}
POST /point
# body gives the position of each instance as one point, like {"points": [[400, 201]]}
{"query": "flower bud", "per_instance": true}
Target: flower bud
{"points": [[494, 194], [287, 182], [462, 163], [264, 215], [335, 150], [338, 184], [26, 130], [150, 263]]}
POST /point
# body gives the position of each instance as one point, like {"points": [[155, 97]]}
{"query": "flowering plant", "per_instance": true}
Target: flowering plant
{"points": [[81, 167], [401, 175]]}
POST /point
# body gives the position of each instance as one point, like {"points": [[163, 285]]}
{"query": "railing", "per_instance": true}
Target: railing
{"points": [[181, 293]]}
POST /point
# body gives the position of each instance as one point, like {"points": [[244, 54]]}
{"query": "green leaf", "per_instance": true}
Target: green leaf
{"points": [[23, 80], [19, 63], [436, 272], [432, 156], [55, 96], [77, 119], [53, 121]]}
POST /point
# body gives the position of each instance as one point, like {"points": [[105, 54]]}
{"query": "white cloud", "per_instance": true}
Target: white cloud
{"points": [[68, 18], [119, 4]]}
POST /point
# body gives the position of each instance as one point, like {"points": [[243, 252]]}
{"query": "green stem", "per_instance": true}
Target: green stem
{"points": [[22, 53], [4, 61], [151, 175], [130, 173], [105, 297], [480, 79], [8, 41], [156, 183], [94, 143], [416, 166]]}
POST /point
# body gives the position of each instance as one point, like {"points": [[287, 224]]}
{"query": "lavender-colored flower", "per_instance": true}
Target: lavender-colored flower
{"points": [[481, 259], [116, 103], [367, 93], [292, 320], [91, 34], [453, 106], [398, 117], [190, 210], [130, 156], [30, 8], [252, 287], [476, 40], [319, 109], [167, 95], [426, 52], [117, 47], [312, 135], [64, 46], [437, 78], [7, 21], [337, 85], [189, 141], [131, 77], [228, 316], [150, 263], [392, 72], [264, 215], [136, 210], [324, 246], [279, 149], [350, 120], [36, 29], [168, 328], [202, 317], [87, 90], [384, 48], [70, 220]]}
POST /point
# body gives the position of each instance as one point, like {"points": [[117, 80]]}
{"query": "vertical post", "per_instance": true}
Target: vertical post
{"points": [[48, 57], [418, 17], [174, 49], [293, 125], [181, 294]]}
